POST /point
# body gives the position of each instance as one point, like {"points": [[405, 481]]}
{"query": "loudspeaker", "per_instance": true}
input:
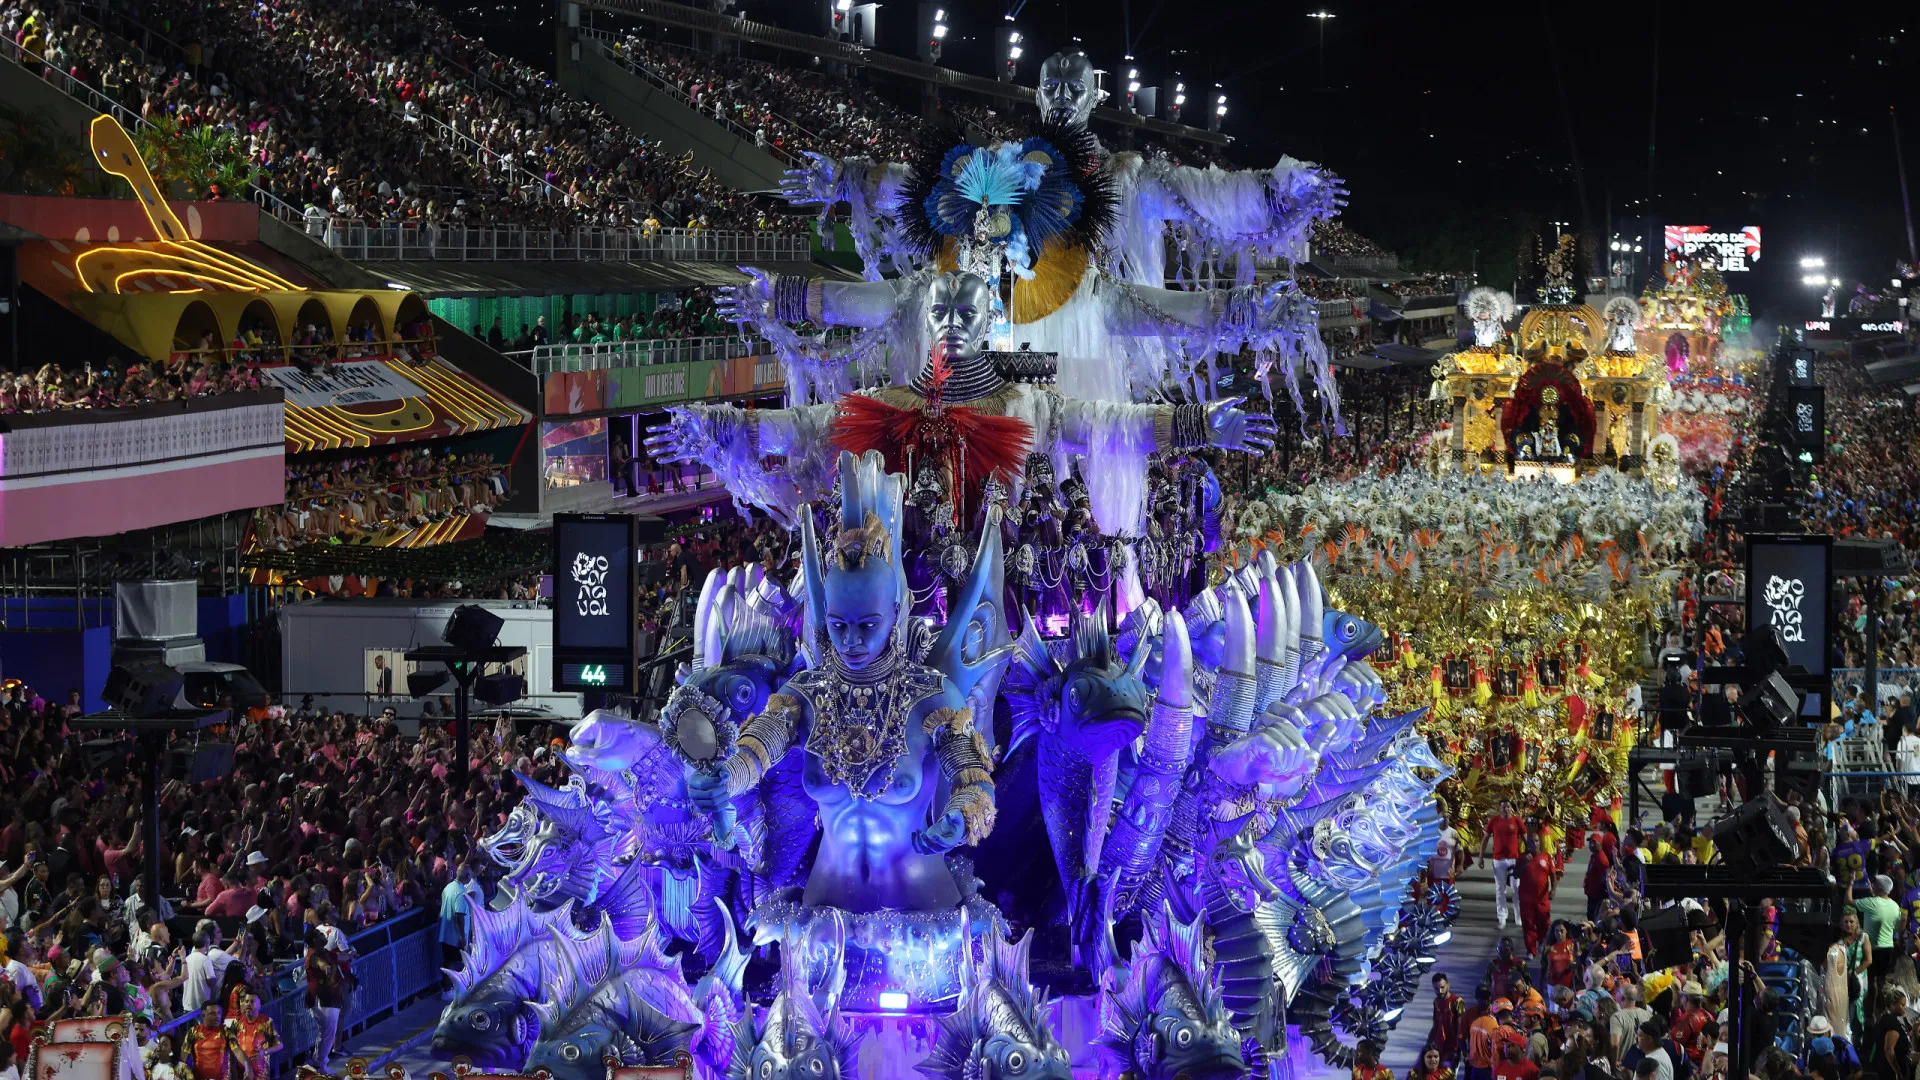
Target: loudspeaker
{"points": [[501, 689], [101, 752], [1808, 933], [200, 762], [1664, 939], [1696, 777], [142, 692], [649, 529], [1757, 837], [422, 683], [1770, 703], [1802, 778], [1763, 649], [472, 627], [1861, 558]]}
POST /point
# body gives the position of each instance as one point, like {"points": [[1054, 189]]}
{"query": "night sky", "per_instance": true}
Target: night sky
{"points": [[1452, 124]]}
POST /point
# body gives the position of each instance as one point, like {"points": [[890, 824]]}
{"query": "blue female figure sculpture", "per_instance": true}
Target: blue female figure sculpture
{"points": [[893, 763]]}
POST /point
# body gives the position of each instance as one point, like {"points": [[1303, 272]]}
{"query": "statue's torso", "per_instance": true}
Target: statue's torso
{"points": [[868, 770]]}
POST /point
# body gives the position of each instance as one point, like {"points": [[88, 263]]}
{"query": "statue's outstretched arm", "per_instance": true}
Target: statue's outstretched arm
{"points": [[860, 182], [1274, 208], [732, 441], [791, 299]]}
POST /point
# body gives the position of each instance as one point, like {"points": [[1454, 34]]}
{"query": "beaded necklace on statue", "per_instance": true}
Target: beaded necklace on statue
{"points": [[859, 723]]}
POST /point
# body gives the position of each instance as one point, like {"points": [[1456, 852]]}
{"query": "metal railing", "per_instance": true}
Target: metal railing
{"points": [[613, 47], [416, 242], [544, 360], [398, 961]]}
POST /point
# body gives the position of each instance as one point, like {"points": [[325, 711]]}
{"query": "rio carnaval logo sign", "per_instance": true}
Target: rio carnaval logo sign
{"points": [[590, 584], [1783, 598]]}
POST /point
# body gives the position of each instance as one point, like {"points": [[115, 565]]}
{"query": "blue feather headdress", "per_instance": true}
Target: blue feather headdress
{"points": [[1013, 198]]}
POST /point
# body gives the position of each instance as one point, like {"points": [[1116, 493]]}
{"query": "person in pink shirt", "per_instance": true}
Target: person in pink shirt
{"points": [[234, 900]]}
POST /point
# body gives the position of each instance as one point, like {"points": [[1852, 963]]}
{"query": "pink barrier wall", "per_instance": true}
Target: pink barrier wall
{"points": [[101, 472]]}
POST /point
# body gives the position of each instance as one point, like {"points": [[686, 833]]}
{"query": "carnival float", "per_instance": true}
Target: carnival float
{"points": [[1568, 392], [1002, 782]]}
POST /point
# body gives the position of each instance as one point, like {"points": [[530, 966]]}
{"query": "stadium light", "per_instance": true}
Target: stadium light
{"points": [[1812, 262], [843, 5], [1835, 282], [939, 30], [1013, 53]]}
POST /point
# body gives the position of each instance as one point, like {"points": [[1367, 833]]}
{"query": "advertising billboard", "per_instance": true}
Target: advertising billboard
{"points": [[593, 602], [1730, 251]]}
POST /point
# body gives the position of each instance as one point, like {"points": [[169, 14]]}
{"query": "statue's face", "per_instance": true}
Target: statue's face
{"points": [[960, 315], [862, 606], [1067, 92]]}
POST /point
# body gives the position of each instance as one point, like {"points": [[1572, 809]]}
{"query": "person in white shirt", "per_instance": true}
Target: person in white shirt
{"points": [[206, 966], [1906, 754], [23, 980]]}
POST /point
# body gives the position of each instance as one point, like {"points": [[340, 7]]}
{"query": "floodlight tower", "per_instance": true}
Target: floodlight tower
{"points": [[1008, 48], [933, 31]]}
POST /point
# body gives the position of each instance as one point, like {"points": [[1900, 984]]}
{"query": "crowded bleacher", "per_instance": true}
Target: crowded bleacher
{"points": [[360, 117], [361, 496], [51, 388], [783, 109]]}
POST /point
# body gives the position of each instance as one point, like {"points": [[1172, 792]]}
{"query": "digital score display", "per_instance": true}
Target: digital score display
{"points": [[1730, 251], [593, 676]]}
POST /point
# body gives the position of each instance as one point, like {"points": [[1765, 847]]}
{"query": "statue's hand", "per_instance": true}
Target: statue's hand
{"points": [[1231, 428], [749, 302], [942, 836], [1283, 304], [813, 184], [687, 435], [1362, 684], [1273, 754], [707, 790]]}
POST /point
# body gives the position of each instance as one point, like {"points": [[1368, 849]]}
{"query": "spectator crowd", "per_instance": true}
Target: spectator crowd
{"points": [[378, 113], [328, 824], [782, 109], [341, 500]]}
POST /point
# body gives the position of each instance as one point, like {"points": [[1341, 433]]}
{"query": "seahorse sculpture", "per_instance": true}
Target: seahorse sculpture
{"points": [[1083, 710]]}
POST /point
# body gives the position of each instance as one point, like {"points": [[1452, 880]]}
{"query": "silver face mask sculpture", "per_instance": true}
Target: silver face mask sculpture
{"points": [[1067, 91], [960, 316]]}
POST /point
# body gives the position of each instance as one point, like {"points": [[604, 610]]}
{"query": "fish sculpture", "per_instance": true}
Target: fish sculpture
{"points": [[1165, 1016], [999, 1028], [612, 999], [800, 1036], [488, 1020]]}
